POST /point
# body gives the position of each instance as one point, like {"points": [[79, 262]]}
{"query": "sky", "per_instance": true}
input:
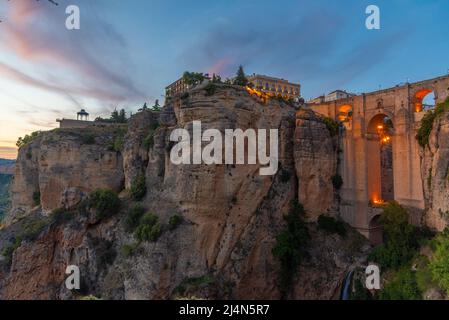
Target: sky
{"points": [[127, 52]]}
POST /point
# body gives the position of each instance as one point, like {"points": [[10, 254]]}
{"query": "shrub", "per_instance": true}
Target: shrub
{"points": [[401, 238], [105, 203], [290, 247], [331, 125], [148, 142], [118, 139], [21, 142], [174, 222], [337, 181], [138, 188], [331, 225], [403, 286], [210, 89], [33, 228], [149, 229], [145, 232], [132, 220], [439, 265]]}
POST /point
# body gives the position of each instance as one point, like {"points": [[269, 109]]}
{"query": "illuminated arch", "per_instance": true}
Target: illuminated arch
{"points": [[380, 130], [419, 100], [345, 113]]}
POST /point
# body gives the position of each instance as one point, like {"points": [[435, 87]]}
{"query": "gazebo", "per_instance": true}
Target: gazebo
{"points": [[82, 115]]}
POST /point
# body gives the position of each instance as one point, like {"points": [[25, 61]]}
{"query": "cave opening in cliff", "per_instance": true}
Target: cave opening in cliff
{"points": [[424, 100], [380, 159]]}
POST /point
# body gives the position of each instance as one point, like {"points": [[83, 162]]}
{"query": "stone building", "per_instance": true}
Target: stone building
{"points": [[176, 87], [275, 86]]}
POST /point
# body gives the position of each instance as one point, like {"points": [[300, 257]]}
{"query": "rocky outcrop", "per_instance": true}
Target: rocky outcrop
{"points": [[61, 163], [435, 174], [315, 156], [231, 214]]}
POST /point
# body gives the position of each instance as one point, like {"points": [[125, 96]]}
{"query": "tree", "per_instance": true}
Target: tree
{"points": [[216, 78], [240, 79], [193, 78], [144, 107], [157, 106]]}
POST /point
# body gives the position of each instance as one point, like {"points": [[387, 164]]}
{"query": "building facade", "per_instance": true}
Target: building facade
{"points": [[275, 86], [337, 95], [176, 87]]}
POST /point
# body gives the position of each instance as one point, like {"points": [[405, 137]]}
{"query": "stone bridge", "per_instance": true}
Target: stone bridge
{"points": [[379, 158]]}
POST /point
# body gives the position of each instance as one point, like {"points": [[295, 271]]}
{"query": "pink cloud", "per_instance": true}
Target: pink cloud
{"points": [[35, 32]]}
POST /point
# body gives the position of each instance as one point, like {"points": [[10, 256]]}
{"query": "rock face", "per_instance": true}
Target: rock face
{"points": [[315, 156], [231, 214], [435, 174], [61, 162]]}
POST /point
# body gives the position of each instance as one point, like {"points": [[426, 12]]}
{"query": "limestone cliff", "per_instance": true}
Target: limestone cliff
{"points": [[62, 165], [316, 164], [231, 214], [435, 174]]}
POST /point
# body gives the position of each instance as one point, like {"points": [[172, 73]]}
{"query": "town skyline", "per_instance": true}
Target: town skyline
{"points": [[124, 55]]}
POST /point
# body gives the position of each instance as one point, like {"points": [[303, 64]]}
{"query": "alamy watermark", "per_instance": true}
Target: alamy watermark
{"points": [[73, 21], [372, 22], [255, 144]]}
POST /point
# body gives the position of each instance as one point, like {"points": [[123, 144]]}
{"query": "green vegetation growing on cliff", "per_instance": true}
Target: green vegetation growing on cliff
{"points": [[149, 229], [331, 125], [427, 122], [403, 286], [439, 265], [105, 203], [118, 139], [138, 188], [174, 222], [148, 142], [290, 247], [21, 142], [401, 244]]}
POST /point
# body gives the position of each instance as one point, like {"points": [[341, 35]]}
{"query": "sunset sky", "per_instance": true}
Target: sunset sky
{"points": [[127, 51]]}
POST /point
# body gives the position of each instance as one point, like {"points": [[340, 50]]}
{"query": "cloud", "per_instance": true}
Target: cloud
{"points": [[90, 62], [304, 48]]}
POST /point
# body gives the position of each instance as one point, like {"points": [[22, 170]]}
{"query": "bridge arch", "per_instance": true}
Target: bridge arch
{"points": [[345, 112], [424, 99], [380, 131]]}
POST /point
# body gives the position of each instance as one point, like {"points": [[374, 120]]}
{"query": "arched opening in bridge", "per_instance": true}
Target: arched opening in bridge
{"points": [[424, 100], [380, 159], [345, 113], [376, 233]]}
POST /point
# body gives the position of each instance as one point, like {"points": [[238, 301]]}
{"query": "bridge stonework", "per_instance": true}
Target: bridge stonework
{"points": [[360, 157]]}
